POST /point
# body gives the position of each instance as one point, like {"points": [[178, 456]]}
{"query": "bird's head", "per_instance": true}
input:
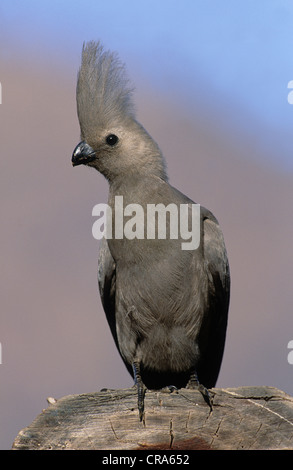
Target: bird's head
{"points": [[113, 141]]}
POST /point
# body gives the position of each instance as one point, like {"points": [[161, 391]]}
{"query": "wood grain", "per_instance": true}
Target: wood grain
{"points": [[242, 418]]}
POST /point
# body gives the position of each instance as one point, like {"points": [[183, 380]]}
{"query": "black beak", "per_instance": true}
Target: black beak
{"points": [[83, 154]]}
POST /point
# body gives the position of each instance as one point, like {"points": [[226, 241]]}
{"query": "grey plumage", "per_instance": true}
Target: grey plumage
{"points": [[167, 307], [103, 90]]}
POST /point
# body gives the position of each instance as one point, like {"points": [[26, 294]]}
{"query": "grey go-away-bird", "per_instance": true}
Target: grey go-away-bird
{"points": [[167, 307]]}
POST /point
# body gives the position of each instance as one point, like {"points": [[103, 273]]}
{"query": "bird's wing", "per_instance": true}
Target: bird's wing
{"points": [[213, 336], [107, 288], [107, 281]]}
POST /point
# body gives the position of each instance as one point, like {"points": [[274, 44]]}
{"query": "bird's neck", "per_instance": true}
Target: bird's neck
{"points": [[134, 187]]}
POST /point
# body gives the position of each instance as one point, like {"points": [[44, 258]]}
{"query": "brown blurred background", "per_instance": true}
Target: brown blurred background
{"points": [[54, 336]]}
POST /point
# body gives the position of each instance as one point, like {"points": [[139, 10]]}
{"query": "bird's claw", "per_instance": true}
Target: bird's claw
{"points": [[194, 384], [141, 389]]}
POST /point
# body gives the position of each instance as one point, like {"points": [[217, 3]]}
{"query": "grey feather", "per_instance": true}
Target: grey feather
{"points": [[103, 90], [167, 308]]}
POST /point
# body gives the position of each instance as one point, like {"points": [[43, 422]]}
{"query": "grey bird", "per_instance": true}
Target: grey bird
{"points": [[167, 308]]}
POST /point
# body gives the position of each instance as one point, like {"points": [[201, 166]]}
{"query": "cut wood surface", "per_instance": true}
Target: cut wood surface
{"points": [[246, 418]]}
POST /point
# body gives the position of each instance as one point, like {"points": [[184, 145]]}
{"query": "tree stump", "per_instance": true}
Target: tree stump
{"points": [[257, 418]]}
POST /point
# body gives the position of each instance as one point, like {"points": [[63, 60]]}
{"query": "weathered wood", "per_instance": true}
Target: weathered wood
{"points": [[242, 418]]}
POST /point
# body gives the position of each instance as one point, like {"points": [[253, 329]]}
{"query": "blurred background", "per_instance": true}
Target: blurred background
{"points": [[211, 83]]}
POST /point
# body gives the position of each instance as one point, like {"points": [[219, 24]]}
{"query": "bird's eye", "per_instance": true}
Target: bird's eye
{"points": [[112, 139]]}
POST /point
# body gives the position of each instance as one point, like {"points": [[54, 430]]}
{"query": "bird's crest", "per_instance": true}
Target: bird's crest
{"points": [[103, 94]]}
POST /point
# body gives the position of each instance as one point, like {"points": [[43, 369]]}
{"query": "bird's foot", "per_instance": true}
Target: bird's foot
{"points": [[141, 389], [193, 383]]}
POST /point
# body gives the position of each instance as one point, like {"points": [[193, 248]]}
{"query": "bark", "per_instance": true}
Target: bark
{"points": [[242, 418]]}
